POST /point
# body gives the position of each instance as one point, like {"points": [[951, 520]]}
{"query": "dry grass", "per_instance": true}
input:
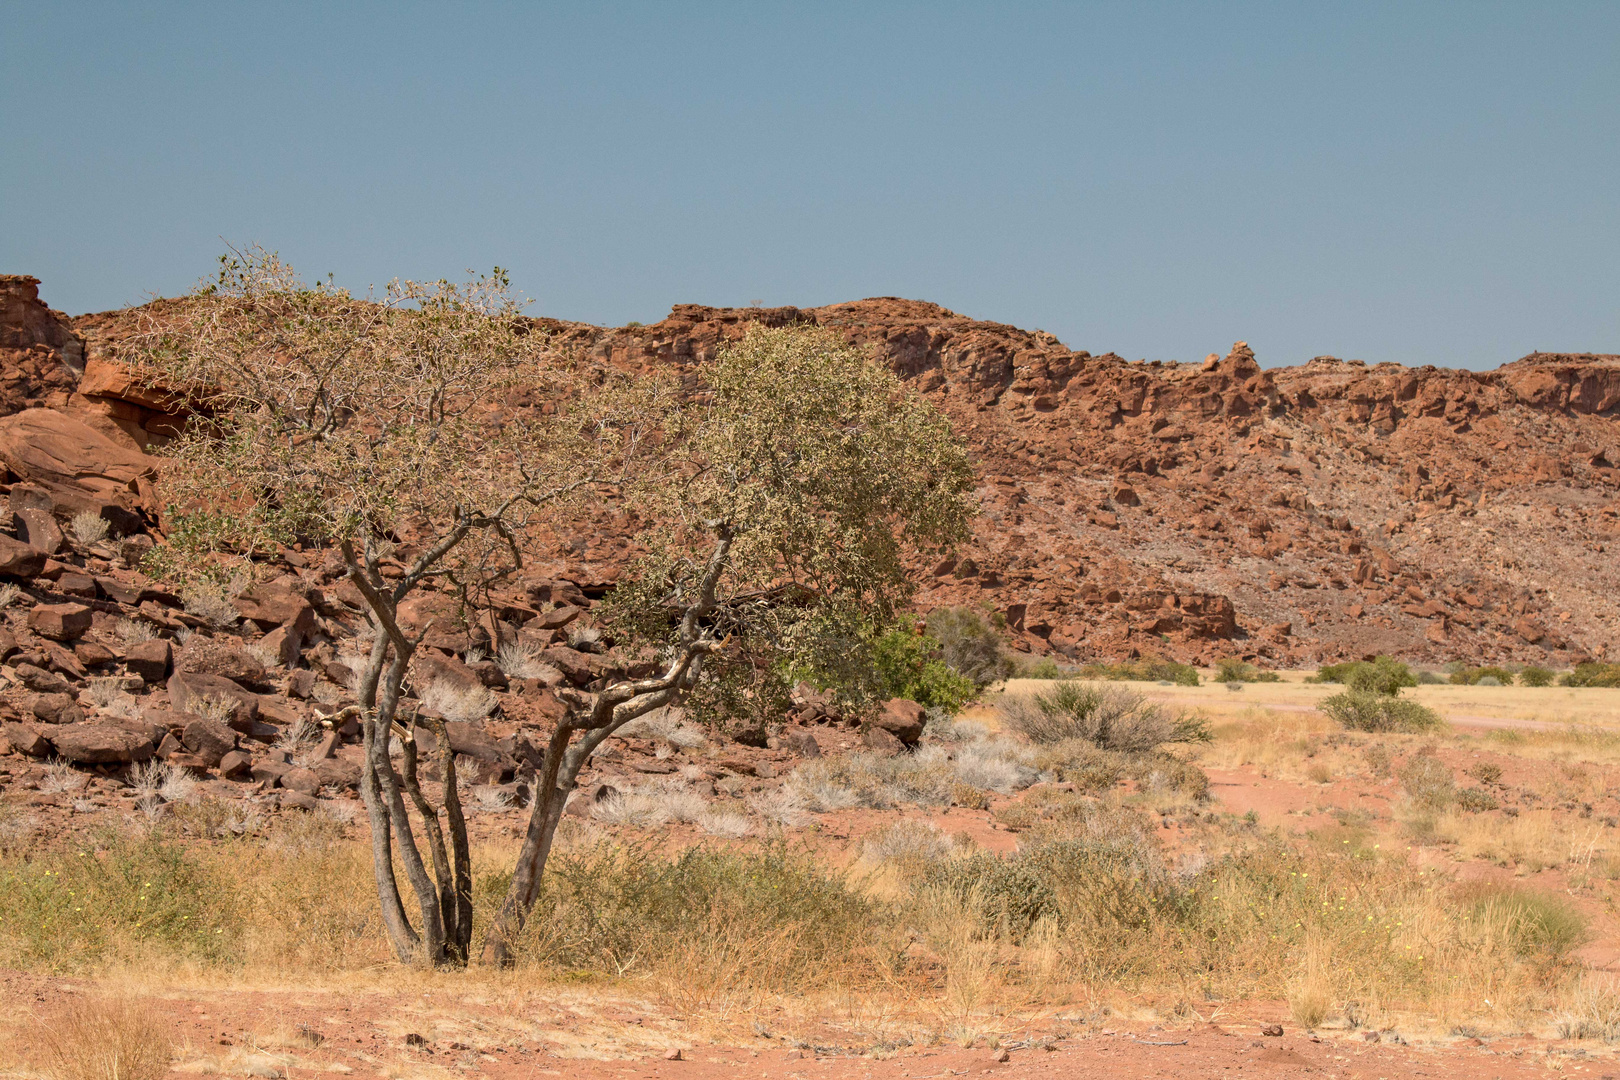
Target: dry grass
{"points": [[95, 1038], [89, 527], [453, 702]]}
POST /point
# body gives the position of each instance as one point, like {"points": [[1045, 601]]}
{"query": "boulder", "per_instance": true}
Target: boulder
{"points": [[41, 681], [190, 690], [430, 667], [62, 622], [100, 744], [17, 559], [208, 739], [226, 657], [875, 738], [55, 708], [38, 529], [269, 772], [304, 780], [801, 742], [271, 606], [298, 800], [151, 660], [285, 644], [80, 467], [25, 738], [901, 718]]}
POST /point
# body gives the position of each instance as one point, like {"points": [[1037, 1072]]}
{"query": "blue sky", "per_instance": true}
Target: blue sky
{"points": [[1425, 183]]}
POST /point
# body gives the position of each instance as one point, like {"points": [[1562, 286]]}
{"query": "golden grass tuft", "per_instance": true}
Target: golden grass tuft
{"points": [[97, 1038]]}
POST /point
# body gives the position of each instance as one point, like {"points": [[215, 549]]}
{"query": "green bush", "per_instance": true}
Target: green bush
{"points": [[1363, 710], [1536, 675], [1043, 668], [1540, 926], [1592, 673], [1471, 676], [969, 645], [909, 666], [1233, 670], [1148, 670], [1384, 675]]}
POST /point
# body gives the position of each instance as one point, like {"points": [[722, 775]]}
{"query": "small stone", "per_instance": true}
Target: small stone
{"points": [[55, 708], [1272, 1030], [673, 1055], [1003, 1057], [41, 681]]}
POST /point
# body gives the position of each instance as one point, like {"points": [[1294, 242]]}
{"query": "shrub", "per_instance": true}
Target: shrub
{"points": [[1592, 673], [1536, 675], [1146, 670], [909, 666], [1384, 675], [1043, 668], [88, 527], [1108, 718], [1232, 670], [520, 660], [1361, 710], [1486, 772], [969, 645], [1476, 676], [1476, 800], [1539, 926], [1427, 781]]}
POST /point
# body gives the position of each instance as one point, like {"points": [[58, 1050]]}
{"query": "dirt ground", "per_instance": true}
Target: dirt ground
{"points": [[506, 1033]]}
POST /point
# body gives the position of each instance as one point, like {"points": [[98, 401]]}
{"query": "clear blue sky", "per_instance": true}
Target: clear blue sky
{"points": [[1426, 183]]}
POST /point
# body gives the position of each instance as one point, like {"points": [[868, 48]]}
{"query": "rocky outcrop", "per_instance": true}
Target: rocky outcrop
{"points": [[1197, 510]]}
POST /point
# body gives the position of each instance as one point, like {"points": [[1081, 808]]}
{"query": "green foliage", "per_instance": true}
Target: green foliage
{"points": [[1108, 718], [969, 644], [909, 666], [1473, 676], [1150, 669], [1536, 675], [113, 896], [1364, 710], [1540, 926], [812, 473], [1384, 675], [1233, 670], [1593, 673]]}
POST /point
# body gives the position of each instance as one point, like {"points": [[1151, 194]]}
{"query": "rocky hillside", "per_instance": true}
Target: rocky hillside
{"points": [[1190, 510]]}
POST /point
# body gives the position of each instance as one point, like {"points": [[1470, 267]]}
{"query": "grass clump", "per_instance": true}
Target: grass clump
{"points": [[1427, 782], [95, 1038], [1233, 670], [1108, 718]]}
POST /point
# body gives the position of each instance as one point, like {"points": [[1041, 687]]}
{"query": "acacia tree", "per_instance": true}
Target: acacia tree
{"points": [[366, 423], [800, 475]]}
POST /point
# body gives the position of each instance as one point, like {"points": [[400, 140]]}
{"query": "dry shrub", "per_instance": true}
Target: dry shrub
{"points": [[97, 1038], [1594, 1010], [1427, 781], [458, 703], [1107, 717], [88, 527]]}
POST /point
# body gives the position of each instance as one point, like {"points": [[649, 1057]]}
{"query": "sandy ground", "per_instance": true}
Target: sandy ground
{"points": [[513, 1034]]}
